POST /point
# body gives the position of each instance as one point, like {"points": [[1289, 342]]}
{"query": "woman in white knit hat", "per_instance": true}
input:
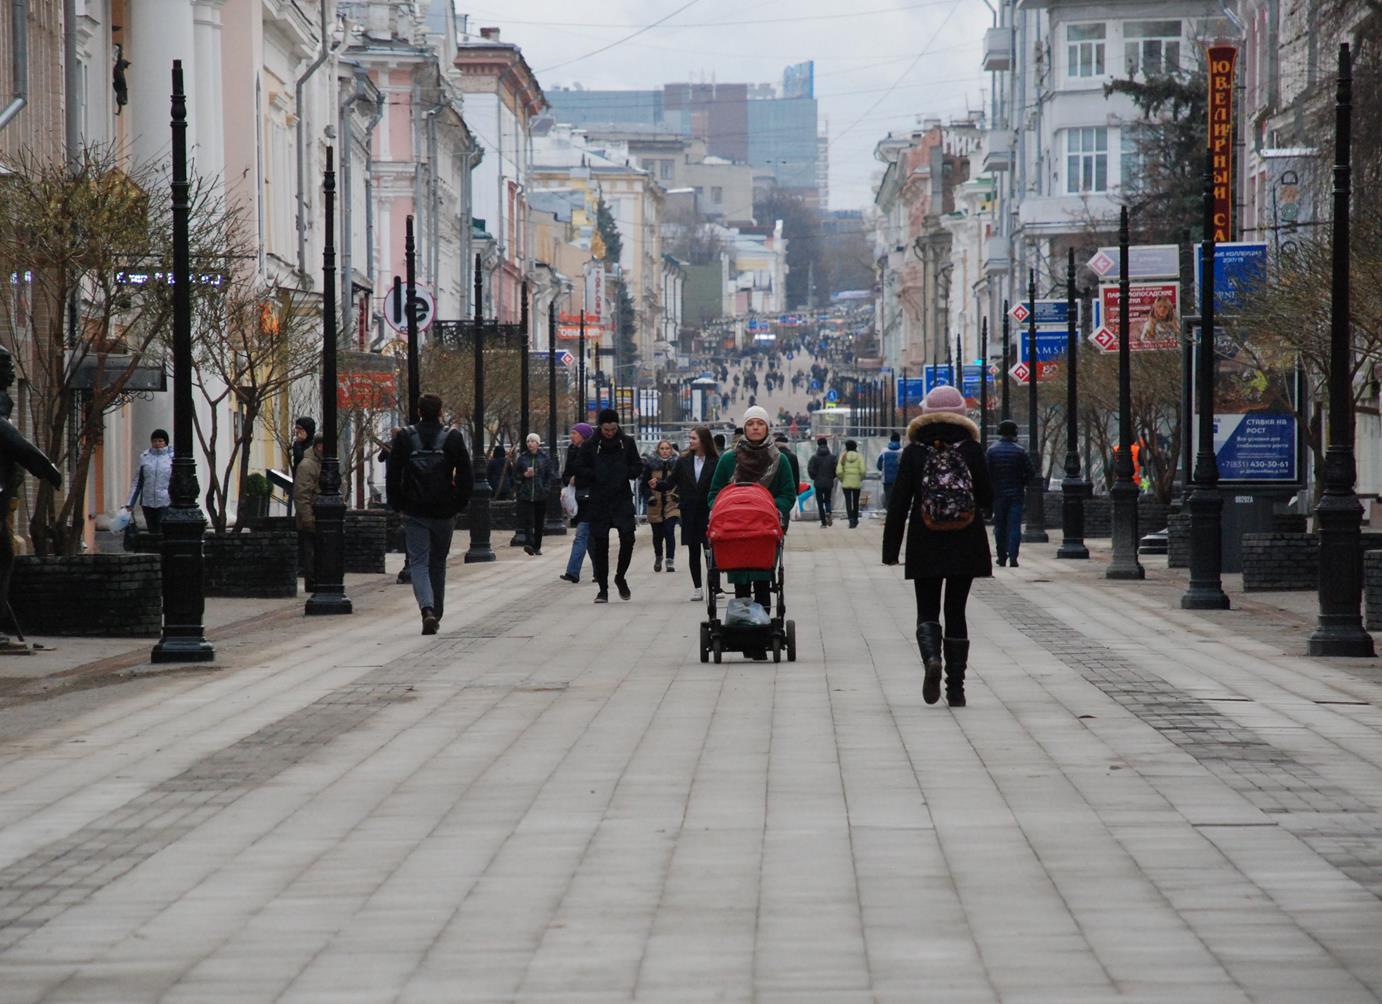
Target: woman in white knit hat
{"points": [[942, 487], [755, 460]]}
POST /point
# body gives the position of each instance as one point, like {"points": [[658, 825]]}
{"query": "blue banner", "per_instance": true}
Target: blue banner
{"points": [[1051, 344], [1256, 446], [1239, 267], [910, 391]]}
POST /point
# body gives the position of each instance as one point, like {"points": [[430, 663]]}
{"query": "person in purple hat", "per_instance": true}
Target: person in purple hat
{"points": [[942, 488], [580, 432]]}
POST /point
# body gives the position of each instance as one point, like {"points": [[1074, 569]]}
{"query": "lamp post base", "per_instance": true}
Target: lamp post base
{"points": [[1124, 564], [1034, 532], [184, 601], [478, 514], [1339, 631], [1206, 591], [1073, 493], [328, 604]]}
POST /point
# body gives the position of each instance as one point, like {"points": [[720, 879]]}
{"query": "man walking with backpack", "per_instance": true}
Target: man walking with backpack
{"points": [[428, 480], [1010, 468], [604, 467]]}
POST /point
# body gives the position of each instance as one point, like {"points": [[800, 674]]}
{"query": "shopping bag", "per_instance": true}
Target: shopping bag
{"points": [[569, 505], [744, 612]]}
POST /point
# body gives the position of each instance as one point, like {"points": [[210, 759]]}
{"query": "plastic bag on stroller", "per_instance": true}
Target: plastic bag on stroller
{"points": [[744, 612]]}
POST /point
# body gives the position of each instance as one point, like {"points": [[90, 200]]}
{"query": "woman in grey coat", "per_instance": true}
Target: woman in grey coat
{"points": [[532, 482]]}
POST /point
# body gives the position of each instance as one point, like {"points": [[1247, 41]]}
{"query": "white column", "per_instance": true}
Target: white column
{"points": [[209, 157], [159, 32]]}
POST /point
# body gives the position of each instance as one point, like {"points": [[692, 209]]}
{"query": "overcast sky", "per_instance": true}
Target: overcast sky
{"points": [[878, 68]]}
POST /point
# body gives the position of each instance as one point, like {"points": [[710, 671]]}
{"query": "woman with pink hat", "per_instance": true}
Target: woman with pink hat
{"points": [[942, 487]]}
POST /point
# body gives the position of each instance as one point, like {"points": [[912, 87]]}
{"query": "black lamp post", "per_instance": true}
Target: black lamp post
{"points": [[184, 603], [1206, 505], [555, 526], [957, 372], [1035, 530], [583, 404], [329, 508], [1005, 409], [520, 533], [1338, 517], [478, 510], [984, 385], [1123, 494], [410, 262], [1073, 487]]}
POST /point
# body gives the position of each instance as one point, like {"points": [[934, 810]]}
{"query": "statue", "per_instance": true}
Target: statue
{"points": [[15, 452]]}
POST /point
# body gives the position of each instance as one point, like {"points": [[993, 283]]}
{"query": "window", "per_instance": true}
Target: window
{"points": [[1086, 160], [1085, 50], [717, 195], [1130, 158], [665, 170], [1151, 48]]}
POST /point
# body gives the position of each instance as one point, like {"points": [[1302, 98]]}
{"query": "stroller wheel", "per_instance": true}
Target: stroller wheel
{"points": [[791, 641], [777, 649], [705, 643], [717, 650]]}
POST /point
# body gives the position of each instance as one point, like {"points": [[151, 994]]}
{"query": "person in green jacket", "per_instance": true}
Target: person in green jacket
{"points": [[850, 470], [755, 460]]}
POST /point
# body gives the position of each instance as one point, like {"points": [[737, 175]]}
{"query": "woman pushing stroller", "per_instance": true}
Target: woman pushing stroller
{"points": [[755, 459]]}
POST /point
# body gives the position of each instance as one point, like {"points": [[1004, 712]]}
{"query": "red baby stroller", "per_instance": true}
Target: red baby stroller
{"points": [[745, 535]]}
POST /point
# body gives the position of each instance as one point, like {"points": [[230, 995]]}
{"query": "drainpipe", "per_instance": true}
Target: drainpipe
{"points": [[433, 222], [369, 206], [72, 81], [19, 31], [300, 85], [345, 141]]}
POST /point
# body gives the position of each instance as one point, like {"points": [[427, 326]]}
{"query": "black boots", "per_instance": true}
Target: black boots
{"points": [[956, 659], [929, 641]]}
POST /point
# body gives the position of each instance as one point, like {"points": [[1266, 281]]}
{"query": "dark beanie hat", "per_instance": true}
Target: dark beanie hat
{"points": [[308, 426], [160, 434], [822, 441], [607, 415], [896, 437]]}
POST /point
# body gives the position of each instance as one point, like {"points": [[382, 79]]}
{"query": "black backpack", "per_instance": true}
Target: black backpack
{"points": [[427, 477]]}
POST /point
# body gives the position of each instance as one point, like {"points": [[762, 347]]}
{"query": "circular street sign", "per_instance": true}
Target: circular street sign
{"points": [[422, 306]]}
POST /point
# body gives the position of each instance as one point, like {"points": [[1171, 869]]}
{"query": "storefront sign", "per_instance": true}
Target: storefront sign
{"points": [[1221, 61], [1153, 316]]}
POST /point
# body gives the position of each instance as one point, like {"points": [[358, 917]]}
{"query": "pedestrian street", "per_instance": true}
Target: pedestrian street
{"points": [[554, 801]]}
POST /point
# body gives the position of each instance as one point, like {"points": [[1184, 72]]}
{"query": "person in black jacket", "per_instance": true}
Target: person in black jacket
{"points": [[1010, 469], [693, 473], [604, 468], [581, 433], [429, 490], [821, 470], [948, 560]]}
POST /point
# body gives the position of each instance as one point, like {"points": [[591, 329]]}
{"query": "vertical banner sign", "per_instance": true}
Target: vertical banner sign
{"points": [[1222, 59]]}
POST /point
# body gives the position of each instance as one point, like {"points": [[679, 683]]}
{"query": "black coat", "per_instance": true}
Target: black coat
{"points": [[453, 446], [938, 554], [604, 468], [568, 477], [1010, 468], [695, 514], [821, 469]]}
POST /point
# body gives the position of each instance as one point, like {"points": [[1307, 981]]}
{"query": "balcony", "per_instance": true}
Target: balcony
{"points": [[998, 49], [998, 150]]}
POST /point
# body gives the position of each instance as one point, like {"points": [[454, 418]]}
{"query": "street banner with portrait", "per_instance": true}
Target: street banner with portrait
{"points": [[1153, 317]]}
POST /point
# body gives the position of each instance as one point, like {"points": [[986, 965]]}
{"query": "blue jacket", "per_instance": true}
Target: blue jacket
{"points": [[888, 461], [1010, 468]]}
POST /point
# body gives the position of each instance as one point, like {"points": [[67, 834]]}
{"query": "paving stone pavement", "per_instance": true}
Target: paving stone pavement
{"points": [[551, 801]]}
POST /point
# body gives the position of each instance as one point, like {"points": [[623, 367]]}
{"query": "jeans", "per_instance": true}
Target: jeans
{"points": [[852, 505], [956, 597], [599, 550], [1007, 525], [531, 517], [665, 538], [694, 560], [578, 548], [429, 542], [823, 502]]}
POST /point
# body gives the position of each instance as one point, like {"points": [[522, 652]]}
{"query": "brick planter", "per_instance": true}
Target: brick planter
{"points": [[1151, 514], [1280, 561], [1372, 590], [261, 564], [1053, 510], [366, 540], [93, 595], [1098, 517], [502, 516], [1178, 540]]}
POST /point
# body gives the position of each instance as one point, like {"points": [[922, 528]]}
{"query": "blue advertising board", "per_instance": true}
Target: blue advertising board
{"points": [[1049, 314], [1257, 437], [944, 376], [910, 391], [1238, 267], [1051, 344], [971, 387]]}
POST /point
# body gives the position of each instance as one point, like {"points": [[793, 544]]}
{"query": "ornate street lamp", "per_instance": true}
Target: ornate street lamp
{"points": [[1073, 487], [1123, 494], [478, 510], [1338, 517], [414, 380], [184, 603], [1035, 531], [1005, 411]]}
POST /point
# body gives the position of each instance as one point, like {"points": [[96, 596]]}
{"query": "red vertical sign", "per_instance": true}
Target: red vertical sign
{"points": [[1222, 59]]}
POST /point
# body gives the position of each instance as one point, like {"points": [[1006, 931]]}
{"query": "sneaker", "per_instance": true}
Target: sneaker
{"points": [[1002, 560], [602, 596], [657, 565], [1012, 562], [568, 578], [624, 592], [528, 550], [430, 621], [670, 567], [697, 596]]}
